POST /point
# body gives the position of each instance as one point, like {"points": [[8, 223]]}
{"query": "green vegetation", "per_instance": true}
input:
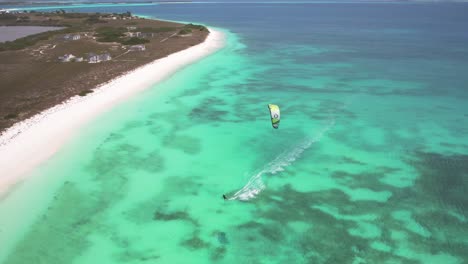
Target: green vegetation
{"points": [[7, 16], [110, 34], [11, 116], [164, 29], [190, 27], [155, 30], [86, 21], [85, 92], [146, 30], [22, 19], [134, 41], [75, 15], [195, 27], [61, 11], [111, 30], [94, 19], [185, 31]]}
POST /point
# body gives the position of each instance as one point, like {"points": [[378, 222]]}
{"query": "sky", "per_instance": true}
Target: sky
{"points": [[139, 1]]}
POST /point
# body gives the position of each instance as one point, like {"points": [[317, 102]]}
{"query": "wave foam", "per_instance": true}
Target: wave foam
{"points": [[255, 184]]}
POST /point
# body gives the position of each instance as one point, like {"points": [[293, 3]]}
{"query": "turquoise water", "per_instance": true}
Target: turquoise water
{"points": [[369, 164]]}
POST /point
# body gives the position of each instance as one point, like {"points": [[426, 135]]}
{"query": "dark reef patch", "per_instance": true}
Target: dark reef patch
{"points": [[111, 159], [348, 160], [130, 255], [161, 214], [187, 144], [208, 111], [63, 224], [157, 208], [152, 162], [114, 137], [195, 242], [297, 206], [132, 125], [328, 240], [156, 129], [222, 238], [178, 185], [169, 216], [218, 253], [444, 178]]}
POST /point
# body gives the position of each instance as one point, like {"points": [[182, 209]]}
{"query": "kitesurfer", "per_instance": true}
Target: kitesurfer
{"points": [[224, 197]]}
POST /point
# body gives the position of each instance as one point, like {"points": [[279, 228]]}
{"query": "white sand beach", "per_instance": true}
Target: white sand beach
{"points": [[29, 143]]}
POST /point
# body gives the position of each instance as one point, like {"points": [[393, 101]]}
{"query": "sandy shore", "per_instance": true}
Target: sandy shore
{"points": [[29, 143]]}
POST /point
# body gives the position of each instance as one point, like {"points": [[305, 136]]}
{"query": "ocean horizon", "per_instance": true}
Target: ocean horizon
{"points": [[369, 163]]}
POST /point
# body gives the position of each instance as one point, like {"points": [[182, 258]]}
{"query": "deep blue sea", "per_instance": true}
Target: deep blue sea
{"points": [[369, 165]]}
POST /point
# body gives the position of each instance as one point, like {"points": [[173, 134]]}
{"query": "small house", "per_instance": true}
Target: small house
{"points": [[131, 28], [72, 37], [148, 35], [105, 57], [94, 58], [137, 48], [133, 34], [66, 58]]}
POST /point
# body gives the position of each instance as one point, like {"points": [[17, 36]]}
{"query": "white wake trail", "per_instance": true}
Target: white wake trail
{"points": [[255, 184]]}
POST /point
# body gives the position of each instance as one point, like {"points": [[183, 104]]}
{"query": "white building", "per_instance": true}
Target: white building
{"points": [[70, 57], [105, 57], [149, 35], [94, 58], [72, 37], [133, 34], [137, 48], [66, 58]]}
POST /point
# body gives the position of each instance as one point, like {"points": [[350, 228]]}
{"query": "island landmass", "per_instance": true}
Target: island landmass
{"points": [[85, 51]]}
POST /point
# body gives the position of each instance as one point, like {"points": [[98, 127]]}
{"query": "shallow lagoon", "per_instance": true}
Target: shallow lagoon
{"points": [[10, 33]]}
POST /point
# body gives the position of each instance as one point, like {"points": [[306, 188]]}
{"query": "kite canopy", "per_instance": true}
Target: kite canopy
{"points": [[275, 115]]}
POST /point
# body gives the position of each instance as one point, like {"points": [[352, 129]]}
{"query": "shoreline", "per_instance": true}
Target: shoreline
{"points": [[29, 143]]}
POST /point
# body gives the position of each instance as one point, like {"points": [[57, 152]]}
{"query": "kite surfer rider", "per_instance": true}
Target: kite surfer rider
{"points": [[275, 121]]}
